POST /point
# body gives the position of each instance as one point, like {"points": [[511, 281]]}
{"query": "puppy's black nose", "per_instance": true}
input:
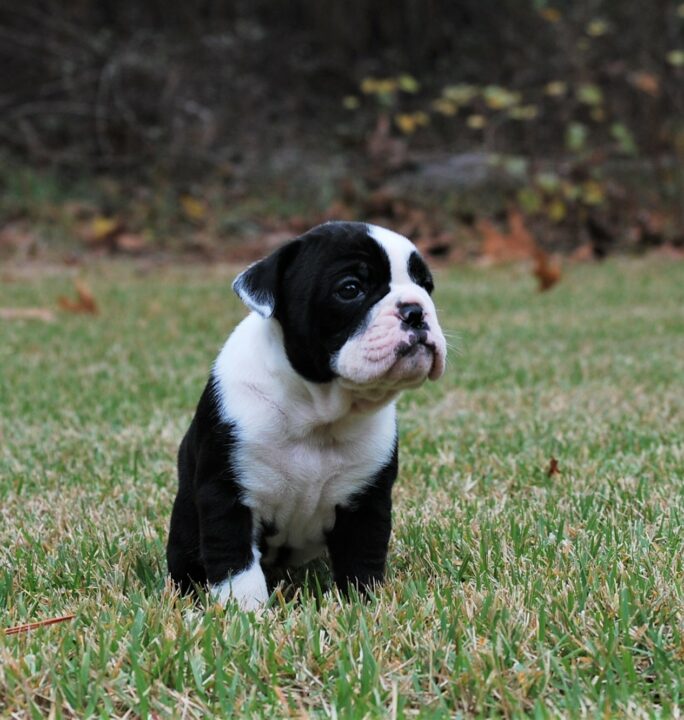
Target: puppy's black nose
{"points": [[412, 315]]}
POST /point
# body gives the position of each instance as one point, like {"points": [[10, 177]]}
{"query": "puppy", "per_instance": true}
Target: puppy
{"points": [[293, 447]]}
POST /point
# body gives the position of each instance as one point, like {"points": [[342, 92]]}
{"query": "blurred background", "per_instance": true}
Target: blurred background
{"points": [[208, 129]]}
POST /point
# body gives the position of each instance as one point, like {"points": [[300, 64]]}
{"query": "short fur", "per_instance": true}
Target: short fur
{"points": [[293, 448]]}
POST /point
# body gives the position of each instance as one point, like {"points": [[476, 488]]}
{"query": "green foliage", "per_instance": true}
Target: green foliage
{"points": [[572, 95], [576, 137]]}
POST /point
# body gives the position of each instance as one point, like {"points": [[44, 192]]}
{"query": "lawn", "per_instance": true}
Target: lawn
{"points": [[511, 590]]}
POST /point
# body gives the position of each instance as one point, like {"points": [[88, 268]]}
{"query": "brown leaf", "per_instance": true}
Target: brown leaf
{"points": [[130, 243], [553, 468], [517, 244], [15, 236], [193, 208], [583, 253], [101, 230], [41, 623], [646, 82], [670, 251], [84, 302], [43, 314], [545, 270]]}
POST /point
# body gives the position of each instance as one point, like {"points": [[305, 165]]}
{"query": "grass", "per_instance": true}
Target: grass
{"points": [[510, 592]]}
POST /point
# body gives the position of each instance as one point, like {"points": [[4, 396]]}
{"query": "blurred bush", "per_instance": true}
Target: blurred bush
{"points": [[205, 120], [122, 84]]}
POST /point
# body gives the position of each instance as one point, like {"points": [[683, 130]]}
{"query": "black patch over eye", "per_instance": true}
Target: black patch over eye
{"points": [[349, 289], [419, 273]]}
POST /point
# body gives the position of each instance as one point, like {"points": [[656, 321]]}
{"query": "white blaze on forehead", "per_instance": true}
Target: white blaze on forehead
{"points": [[398, 249]]}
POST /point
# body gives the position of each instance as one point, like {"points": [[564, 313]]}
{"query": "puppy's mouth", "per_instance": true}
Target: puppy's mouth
{"points": [[414, 359], [414, 343]]}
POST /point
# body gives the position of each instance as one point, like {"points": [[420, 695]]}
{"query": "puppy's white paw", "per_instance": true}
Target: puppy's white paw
{"points": [[247, 587]]}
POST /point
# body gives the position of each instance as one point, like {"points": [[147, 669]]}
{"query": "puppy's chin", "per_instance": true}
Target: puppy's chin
{"points": [[412, 367], [406, 367]]}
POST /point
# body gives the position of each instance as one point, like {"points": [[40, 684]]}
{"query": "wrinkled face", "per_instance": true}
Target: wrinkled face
{"points": [[353, 301]]}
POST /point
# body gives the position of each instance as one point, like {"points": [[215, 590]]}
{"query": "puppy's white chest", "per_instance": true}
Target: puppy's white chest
{"points": [[299, 450], [294, 486]]}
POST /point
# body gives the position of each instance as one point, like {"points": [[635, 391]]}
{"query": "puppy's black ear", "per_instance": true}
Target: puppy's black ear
{"points": [[259, 285]]}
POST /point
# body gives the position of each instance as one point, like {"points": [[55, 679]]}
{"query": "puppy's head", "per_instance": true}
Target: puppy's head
{"points": [[353, 301]]}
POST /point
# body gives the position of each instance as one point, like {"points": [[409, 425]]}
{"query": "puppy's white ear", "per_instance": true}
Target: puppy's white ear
{"points": [[259, 285]]}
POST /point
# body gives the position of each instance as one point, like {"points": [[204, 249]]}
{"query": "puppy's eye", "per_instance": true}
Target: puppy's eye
{"points": [[349, 289]]}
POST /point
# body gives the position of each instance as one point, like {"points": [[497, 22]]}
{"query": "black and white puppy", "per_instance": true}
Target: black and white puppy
{"points": [[293, 447]]}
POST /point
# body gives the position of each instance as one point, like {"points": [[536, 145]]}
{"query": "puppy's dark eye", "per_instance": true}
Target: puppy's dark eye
{"points": [[349, 289]]}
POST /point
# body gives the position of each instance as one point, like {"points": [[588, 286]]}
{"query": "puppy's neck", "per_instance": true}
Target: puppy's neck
{"points": [[253, 368]]}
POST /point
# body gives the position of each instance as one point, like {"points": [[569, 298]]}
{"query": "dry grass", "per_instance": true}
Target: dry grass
{"points": [[510, 592]]}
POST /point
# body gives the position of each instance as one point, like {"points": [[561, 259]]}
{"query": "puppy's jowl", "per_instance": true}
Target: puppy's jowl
{"points": [[293, 447]]}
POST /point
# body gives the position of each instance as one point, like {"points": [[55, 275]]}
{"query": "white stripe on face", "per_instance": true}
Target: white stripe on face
{"points": [[398, 249], [371, 357]]}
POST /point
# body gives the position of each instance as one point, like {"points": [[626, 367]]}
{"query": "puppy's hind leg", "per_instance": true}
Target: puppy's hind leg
{"points": [[231, 562], [183, 547]]}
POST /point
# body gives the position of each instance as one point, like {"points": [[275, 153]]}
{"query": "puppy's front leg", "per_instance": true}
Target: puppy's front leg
{"points": [[359, 539], [226, 539]]}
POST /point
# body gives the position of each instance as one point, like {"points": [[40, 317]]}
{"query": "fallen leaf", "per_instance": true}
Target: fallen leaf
{"points": [[100, 232], [84, 302], [406, 122], [550, 14], [41, 623], [547, 272], [516, 244], [556, 88], [583, 253], [15, 237], [101, 229], [553, 468], [597, 27], [193, 209], [593, 193], [444, 107], [43, 314], [556, 210], [670, 251], [476, 122], [408, 83], [130, 243], [646, 82]]}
